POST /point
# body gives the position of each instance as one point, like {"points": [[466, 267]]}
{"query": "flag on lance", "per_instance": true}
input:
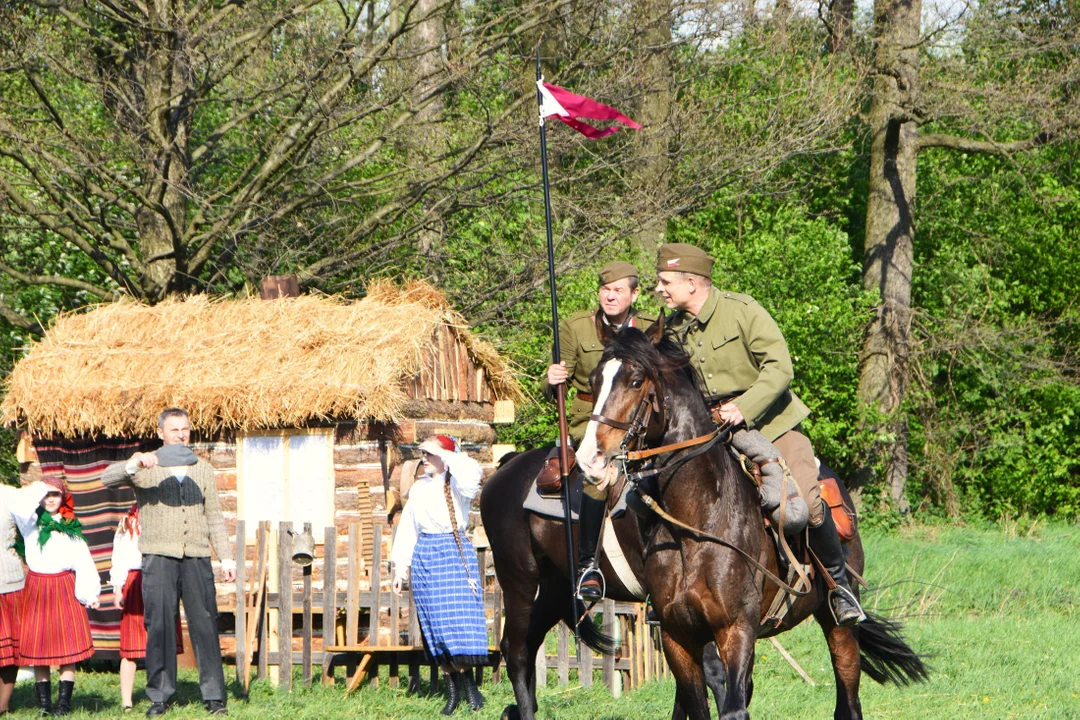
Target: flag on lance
{"points": [[564, 105]]}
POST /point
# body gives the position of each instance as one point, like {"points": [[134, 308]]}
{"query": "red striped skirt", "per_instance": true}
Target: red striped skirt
{"points": [[132, 623], [9, 628], [54, 628]]}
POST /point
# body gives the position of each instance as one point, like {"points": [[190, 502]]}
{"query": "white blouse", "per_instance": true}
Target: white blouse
{"points": [[426, 510], [61, 553], [125, 558]]}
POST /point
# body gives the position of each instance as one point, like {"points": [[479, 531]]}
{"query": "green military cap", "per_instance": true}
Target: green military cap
{"points": [[617, 270], [680, 257]]}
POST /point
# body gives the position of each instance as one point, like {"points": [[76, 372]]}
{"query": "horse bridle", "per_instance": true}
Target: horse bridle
{"points": [[639, 423]]}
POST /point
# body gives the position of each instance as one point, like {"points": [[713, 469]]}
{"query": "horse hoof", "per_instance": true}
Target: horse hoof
{"points": [[511, 712]]}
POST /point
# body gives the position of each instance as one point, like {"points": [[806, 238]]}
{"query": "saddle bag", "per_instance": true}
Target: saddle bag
{"points": [[843, 515]]}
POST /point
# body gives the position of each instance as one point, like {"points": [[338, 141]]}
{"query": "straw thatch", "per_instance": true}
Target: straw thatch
{"points": [[235, 364]]}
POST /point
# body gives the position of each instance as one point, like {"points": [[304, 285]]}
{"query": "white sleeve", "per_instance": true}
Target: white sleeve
{"points": [[122, 559], [404, 542], [465, 474], [87, 580], [24, 508]]}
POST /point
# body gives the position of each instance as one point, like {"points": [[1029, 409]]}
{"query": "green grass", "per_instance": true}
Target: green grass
{"points": [[998, 612]]}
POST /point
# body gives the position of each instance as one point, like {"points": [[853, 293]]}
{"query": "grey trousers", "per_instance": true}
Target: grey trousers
{"points": [[167, 581]]}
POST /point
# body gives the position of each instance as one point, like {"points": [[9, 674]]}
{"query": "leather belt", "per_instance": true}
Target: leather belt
{"points": [[586, 396]]}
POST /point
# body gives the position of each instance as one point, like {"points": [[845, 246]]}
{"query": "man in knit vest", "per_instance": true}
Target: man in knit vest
{"points": [[180, 519], [12, 579]]}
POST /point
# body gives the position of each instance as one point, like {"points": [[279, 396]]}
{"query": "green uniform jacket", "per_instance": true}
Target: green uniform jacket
{"points": [[580, 348], [737, 350]]}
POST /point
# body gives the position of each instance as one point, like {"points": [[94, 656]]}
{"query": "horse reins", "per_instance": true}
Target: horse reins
{"points": [[701, 444]]}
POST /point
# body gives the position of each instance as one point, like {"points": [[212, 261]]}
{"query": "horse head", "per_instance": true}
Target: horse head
{"points": [[629, 386]]}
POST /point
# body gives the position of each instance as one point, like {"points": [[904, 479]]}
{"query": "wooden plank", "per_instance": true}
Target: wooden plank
{"points": [[284, 569], [497, 626], [585, 664], [329, 604], [262, 626], [358, 676], [352, 609], [608, 664], [395, 634], [376, 587], [243, 658], [563, 655], [307, 626]]}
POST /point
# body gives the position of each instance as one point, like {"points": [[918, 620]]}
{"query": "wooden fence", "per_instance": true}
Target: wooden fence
{"points": [[282, 621]]}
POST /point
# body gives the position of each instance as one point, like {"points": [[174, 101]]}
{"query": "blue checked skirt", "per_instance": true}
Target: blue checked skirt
{"points": [[451, 614]]}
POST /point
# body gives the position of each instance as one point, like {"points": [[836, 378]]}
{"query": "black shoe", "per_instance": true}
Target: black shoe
{"points": [[216, 707], [453, 693], [43, 688], [590, 586], [157, 709], [825, 543], [63, 697], [472, 693]]}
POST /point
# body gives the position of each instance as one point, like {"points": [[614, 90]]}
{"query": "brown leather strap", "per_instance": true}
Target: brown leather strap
{"points": [[642, 454], [586, 396], [604, 420]]}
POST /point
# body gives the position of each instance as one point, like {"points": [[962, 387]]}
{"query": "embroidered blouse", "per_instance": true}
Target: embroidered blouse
{"points": [[426, 511]]}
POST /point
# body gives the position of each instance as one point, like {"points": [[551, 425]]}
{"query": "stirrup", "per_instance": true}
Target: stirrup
{"points": [[591, 570], [849, 596]]}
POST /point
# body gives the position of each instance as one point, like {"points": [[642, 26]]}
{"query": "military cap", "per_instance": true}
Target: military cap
{"points": [[680, 257], [617, 270]]}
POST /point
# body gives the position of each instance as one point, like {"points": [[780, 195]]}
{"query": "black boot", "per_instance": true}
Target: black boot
{"points": [[44, 696], [590, 521], [472, 693], [63, 697], [453, 693], [826, 545]]}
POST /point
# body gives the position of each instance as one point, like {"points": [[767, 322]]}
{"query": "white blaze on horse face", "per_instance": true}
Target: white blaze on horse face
{"points": [[589, 456]]}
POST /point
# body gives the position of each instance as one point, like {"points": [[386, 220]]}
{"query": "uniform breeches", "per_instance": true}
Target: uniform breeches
{"points": [[799, 456]]}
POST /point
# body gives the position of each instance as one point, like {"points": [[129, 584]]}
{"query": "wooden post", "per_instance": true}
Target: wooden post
{"points": [[563, 654], [243, 659], [285, 541], [279, 286], [608, 665], [306, 670], [584, 662], [376, 599], [329, 613], [497, 627], [273, 620], [262, 608]]}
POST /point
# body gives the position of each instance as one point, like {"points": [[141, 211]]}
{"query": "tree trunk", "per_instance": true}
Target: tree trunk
{"points": [[840, 20], [888, 260], [651, 143]]}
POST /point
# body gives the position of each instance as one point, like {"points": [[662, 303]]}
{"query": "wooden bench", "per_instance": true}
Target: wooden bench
{"points": [[371, 656]]}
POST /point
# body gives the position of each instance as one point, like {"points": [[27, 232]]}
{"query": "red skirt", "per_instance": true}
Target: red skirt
{"points": [[54, 628], [9, 628], [132, 623]]}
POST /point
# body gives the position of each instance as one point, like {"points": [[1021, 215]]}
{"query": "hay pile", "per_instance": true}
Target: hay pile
{"points": [[235, 364]]}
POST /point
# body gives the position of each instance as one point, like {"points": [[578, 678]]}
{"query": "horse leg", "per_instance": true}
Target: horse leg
{"points": [[847, 669], [520, 664], [736, 646], [691, 700], [715, 676]]}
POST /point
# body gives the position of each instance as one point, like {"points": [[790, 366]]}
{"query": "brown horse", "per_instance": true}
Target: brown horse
{"points": [[711, 599]]}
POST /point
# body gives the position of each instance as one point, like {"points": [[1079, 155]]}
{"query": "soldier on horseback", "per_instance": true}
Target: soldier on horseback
{"points": [[744, 369], [581, 347]]}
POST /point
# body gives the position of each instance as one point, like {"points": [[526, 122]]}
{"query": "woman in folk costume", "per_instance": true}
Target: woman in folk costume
{"points": [[54, 628], [12, 579], [446, 581], [126, 580]]}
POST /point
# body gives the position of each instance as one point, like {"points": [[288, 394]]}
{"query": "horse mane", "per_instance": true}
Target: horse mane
{"points": [[665, 360]]}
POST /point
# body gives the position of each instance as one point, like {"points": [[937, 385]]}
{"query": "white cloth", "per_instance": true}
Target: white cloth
{"points": [[125, 558], [61, 553], [426, 510], [179, 473]]}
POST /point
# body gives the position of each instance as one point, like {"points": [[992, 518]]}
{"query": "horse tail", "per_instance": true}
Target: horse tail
{"points": [[588, 631], [886, 657]]}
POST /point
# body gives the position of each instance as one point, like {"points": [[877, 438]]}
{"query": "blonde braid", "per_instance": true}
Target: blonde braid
{"points": [[449, 493]]}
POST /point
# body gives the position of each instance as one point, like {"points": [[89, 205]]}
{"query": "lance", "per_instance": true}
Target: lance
{"points": [[556, 353]]}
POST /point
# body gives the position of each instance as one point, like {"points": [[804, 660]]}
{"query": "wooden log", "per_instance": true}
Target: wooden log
{"points": [[563, 655], [279, 286], [261, 623], [608, 665], [329, 600], [352, 609], [376, 587]]}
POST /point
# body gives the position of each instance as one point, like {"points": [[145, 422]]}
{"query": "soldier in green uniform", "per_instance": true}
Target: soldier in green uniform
{"points": [[580, 348], [744, 370]]}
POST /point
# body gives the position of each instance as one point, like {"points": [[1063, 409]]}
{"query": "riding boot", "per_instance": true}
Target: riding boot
{"points": [[590, 522], [453, 693], [44, 696], [825, 543], [63, 697], [472, 693]]}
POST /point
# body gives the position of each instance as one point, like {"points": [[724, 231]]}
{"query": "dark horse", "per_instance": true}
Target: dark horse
{"points": [[710, 599]]}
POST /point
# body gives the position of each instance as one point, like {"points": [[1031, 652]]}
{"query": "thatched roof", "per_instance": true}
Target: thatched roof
{"points": [[236, 364]]}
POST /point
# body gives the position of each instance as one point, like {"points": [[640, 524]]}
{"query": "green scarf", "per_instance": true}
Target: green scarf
{"points": [[47, 525]]}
